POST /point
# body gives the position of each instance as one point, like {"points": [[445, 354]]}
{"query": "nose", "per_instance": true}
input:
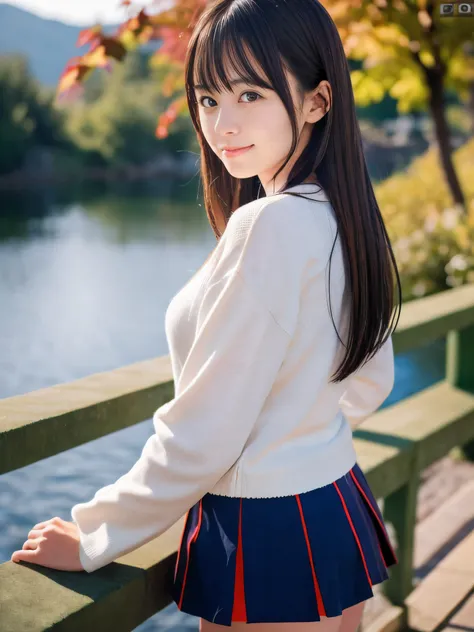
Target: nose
{"points": [[226, 122]]}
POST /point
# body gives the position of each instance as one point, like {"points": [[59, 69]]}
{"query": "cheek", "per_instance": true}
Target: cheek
{"points": [[207, 129], [274, 128]]}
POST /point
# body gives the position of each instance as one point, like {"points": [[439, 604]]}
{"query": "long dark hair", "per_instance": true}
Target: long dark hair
{"points": [[301, 35]]}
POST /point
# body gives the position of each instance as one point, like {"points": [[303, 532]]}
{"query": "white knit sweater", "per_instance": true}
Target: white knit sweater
{"points": [[252, 349]]}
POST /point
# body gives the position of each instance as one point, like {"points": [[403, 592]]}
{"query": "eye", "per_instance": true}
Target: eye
{"points": [[201, 101], [254, 94]]}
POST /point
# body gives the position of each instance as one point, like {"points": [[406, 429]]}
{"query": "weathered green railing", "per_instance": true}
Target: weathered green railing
{"points": [[394, 446]]}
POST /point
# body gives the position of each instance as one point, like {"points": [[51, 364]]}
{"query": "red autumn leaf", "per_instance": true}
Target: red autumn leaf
{"points": [[74, 61], [71, 77], [161, 132], [173, 26], [88, 36], [177, 107], [71, 95], [175, 42]]}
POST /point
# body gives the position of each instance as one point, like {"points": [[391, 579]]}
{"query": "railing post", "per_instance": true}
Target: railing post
{"points": [[460, 367], [400, 510]]}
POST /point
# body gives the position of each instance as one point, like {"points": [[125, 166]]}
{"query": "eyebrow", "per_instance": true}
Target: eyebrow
{"points": [[234, 82]]}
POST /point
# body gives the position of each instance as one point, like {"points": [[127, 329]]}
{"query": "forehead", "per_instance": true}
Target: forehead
{"points": [[223, 66]]}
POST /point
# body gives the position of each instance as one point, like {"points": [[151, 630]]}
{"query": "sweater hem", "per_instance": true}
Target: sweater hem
{"points": [[329, 463]]}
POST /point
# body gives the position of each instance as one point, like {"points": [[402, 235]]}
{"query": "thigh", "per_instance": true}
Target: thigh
{"points": [[349, 621], [327, 624], [351, 618]]}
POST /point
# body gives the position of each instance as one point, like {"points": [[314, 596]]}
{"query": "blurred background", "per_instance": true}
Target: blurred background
{"points": [[101, 219]]}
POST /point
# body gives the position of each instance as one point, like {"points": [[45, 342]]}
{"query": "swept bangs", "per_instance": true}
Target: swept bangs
{"points": [[232, 48]]}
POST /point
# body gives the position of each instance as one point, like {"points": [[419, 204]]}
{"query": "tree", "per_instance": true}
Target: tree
{"points": [[407, 51], [114, 123], [26, 114], [411, 53]]}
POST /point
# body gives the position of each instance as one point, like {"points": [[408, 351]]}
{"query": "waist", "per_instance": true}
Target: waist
{"points": [[274, 475]]}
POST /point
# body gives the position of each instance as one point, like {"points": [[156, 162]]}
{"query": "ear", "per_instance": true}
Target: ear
{"points": [[318, 102]]}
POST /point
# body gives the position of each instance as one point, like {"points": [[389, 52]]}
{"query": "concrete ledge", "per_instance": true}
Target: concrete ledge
{"points": [[115, 598], [48, 421], [432, 317], [413, 434]]}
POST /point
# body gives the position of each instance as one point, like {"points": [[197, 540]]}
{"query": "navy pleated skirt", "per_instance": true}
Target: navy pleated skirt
{"points": [[287, 559]]}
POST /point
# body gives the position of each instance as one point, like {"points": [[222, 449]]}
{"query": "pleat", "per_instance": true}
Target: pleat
{"points": [[239, 611], [375, 514], [363, 529], [338, 563], [190, 525], [207, 588], [317, 589], [278, 578]]}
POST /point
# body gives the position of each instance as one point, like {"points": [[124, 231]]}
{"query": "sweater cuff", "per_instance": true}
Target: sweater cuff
{"points": [[93, 548]]}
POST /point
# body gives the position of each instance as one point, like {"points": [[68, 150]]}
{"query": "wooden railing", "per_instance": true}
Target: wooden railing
{"points": [[394, 445]]}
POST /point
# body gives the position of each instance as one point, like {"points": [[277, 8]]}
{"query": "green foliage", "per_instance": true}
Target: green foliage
{"points": [[396, 50], [116, 120], [433, 241], [27, 118], [112, 124]]}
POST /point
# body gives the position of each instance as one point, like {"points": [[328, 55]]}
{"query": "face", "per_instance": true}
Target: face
{"points": [[255, 120]]}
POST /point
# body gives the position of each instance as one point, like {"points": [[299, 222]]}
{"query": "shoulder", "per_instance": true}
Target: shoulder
{"points": [[281, 230], [279, 216]]}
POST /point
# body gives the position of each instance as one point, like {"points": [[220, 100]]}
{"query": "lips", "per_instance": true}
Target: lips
{"points": [[236, 152]]}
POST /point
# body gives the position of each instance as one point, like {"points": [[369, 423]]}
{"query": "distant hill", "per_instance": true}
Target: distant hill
{"points": [[47, 44]]}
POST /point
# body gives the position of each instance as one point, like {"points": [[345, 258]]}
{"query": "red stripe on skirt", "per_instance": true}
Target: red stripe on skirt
{"points": [[180, 546], [191, 540], [348, 516], [239, 611], [319, 597], [359, 487]]}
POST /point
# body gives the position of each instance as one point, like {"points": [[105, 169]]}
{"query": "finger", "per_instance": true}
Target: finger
{"points": [[31, 545], [25, 556], [42, 525], [45, 523], [34, 533]]}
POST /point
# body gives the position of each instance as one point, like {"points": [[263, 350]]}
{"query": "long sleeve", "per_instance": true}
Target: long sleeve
{"points": [[199, 434], [369, 386]]}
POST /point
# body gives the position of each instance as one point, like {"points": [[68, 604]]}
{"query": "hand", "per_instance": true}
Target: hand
{"points": [[54, 544]]}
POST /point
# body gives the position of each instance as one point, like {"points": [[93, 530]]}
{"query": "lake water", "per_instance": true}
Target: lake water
{"points": [[86, 276]]}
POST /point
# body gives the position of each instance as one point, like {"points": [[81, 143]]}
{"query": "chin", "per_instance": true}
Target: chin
{"points": [[241, 171]]}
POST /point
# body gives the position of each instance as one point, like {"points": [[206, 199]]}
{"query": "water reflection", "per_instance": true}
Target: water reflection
{"points": [[85, 281], [126, 213]]}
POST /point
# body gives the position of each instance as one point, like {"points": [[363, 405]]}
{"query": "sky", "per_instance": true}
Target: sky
{"points": [[78, 12]]}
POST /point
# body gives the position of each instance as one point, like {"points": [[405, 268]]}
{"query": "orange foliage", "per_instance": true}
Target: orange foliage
{"points": [[172, 27]]}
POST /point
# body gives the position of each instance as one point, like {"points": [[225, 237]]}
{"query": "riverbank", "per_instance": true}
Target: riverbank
{"points": [[47, 169], [389, 149]]}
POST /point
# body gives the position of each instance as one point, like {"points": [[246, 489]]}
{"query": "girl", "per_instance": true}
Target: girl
{"points": [[278, 344]]}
